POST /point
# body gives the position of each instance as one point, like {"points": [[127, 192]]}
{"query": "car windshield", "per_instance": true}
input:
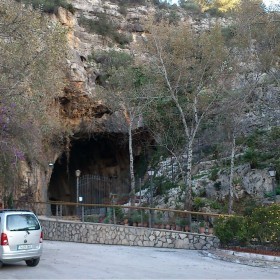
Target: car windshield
{"points": [[22, 222]]}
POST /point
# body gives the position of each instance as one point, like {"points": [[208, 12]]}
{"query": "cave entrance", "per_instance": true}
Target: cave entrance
{"points": [[104, 164]]}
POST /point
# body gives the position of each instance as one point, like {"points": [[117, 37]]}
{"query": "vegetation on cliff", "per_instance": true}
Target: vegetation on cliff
{"points": [[207, 77], [48, 6], [197, 81], [32, 49]]}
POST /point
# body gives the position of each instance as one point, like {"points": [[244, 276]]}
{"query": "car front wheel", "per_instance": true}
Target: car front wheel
{"points": [[1, 264], [32, 262]]}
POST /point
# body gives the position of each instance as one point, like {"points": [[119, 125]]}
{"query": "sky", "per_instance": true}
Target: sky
{"points": [[266, 2], [271, 2]]}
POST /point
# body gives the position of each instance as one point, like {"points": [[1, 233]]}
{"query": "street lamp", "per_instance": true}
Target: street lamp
{"points": [[151, 174], [78, 174], [272, 173]]}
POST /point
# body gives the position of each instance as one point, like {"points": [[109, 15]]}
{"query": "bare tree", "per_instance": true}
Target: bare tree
{"points": [[127, 91], [254, 46], [192, 68]]}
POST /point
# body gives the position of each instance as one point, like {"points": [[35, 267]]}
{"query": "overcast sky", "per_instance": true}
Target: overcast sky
{"points": [[267, 2]]}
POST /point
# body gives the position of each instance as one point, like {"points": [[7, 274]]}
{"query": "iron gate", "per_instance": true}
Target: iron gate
{"points": [[96, 189]]}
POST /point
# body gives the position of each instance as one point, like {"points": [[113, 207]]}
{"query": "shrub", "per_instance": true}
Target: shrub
{"points": [[136, 217], [194, 227], [161, 4], [104, 26], [182, 222], [264, 224], [275, 133], [123, 10], [111, 59], [214, 204], [229, 33], [198, 202], [202, 223], [129, 2], [49, 6], [191, 7], [122, 38], [91, 219], [214, 174], [251, 156], [248, 207], [271, 194], [173, 18], [214, 12], [259, 154], [218, 186], [231, 230], [119, 213], [163, 185]]}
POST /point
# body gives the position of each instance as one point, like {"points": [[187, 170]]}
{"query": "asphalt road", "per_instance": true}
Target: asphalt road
{"points": [[65, 260]]}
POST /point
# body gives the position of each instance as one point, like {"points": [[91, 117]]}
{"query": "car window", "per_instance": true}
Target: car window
{"points": [[22, 222]]}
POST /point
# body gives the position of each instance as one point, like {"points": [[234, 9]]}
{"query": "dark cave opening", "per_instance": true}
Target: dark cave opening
{"points": [[102, 155]]}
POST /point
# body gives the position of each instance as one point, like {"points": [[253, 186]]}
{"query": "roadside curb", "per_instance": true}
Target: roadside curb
{"points": [[251, 259]]}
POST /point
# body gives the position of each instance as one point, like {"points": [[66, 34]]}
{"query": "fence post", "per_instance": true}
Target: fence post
{"points": [[190, 221], [114, 215], [56, 211], [83, 213]]}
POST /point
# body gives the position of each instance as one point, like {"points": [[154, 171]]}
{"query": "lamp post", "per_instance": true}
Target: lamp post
{"points": [[151, 221], [47, 182], [78, 174], [81, 199], [272, 173]]}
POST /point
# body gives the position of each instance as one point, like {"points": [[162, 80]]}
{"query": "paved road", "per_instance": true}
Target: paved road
{"points": [[65, 260]]}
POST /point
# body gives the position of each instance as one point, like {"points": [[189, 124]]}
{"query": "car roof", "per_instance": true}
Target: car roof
{"points": [[14, 211]]}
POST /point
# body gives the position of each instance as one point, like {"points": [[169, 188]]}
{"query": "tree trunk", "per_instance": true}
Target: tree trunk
{"points": [[188, 179], [131, 164], [231, 187]]}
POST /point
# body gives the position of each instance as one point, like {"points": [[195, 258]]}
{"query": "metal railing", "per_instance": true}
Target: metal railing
{"points": [[173, 219]]}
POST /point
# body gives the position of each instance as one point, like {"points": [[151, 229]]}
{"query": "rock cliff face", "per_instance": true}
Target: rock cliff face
{"points": [[98, 144], [79, 105], [98, 141]]}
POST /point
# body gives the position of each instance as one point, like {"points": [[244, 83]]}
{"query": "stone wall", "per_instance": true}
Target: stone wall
{"points": [[125, 235]]}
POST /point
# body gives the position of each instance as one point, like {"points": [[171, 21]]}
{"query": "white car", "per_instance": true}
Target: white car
{"points": [[21, 237]]}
